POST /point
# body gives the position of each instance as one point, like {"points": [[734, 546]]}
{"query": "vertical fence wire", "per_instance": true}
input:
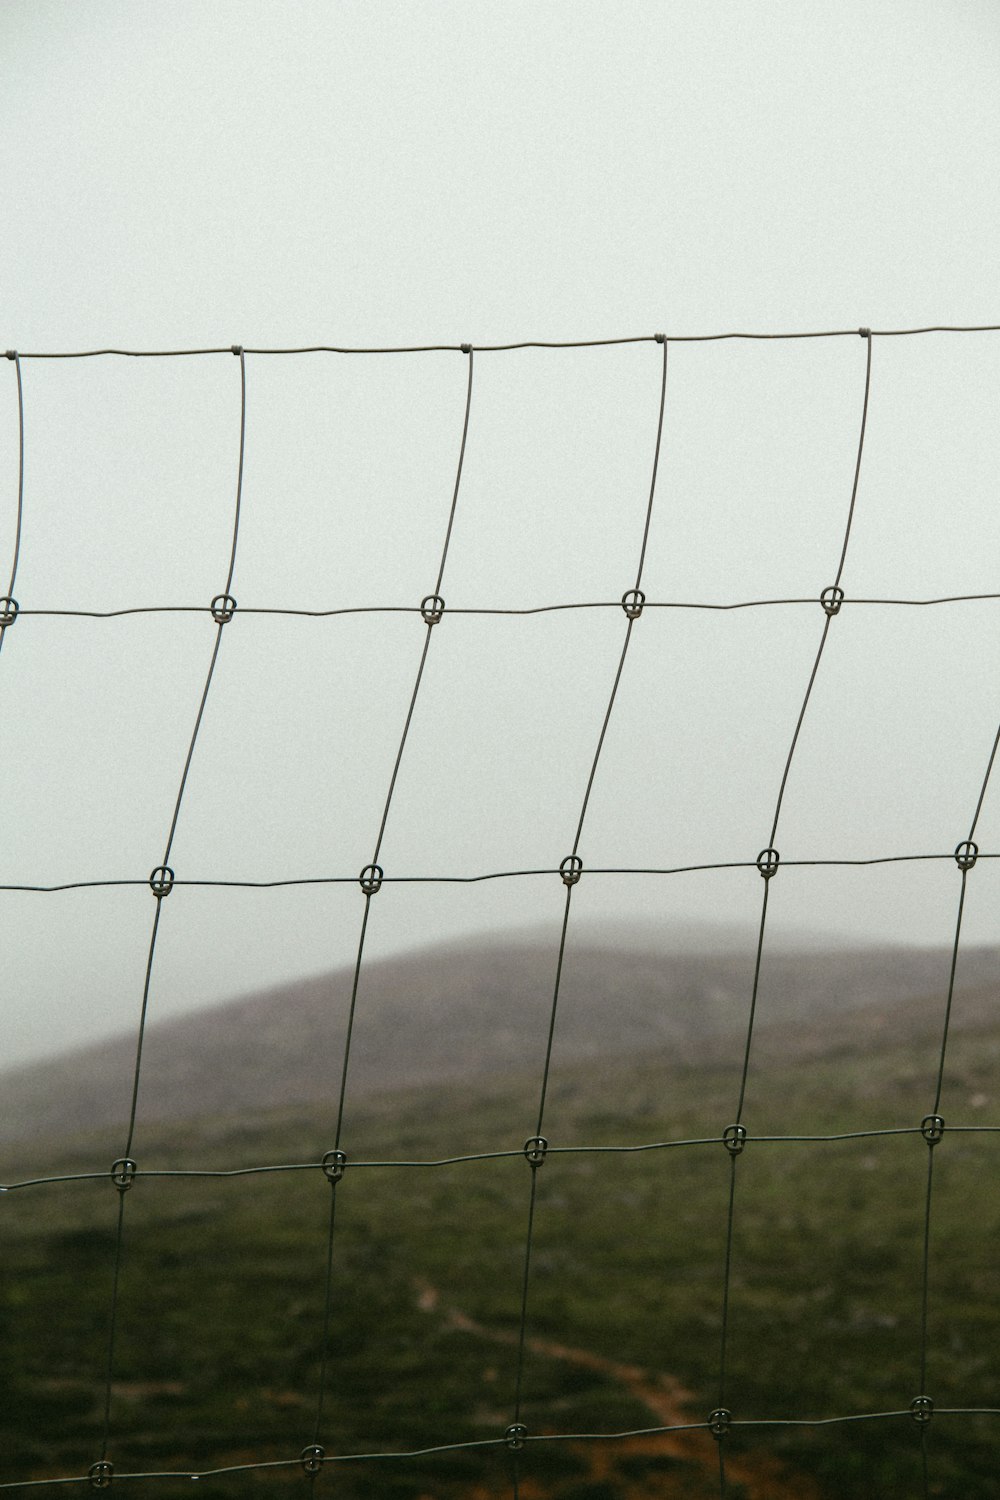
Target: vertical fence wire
{"points": [[933, 1125], [767, 863], [432, 610], [8, 605], [535, 1149], [161, 883]]}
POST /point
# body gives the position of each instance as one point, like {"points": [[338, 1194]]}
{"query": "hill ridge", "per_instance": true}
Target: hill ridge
{"points": [[461, 1010]]}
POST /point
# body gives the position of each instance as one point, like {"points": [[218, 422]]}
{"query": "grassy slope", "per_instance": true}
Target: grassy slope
{"points": [[222, 1290]]}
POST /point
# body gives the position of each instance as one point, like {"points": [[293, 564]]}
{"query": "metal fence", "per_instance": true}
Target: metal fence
{"points": [[317, 1453]]}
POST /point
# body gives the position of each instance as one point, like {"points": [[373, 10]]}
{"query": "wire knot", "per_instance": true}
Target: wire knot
{"points": [[334, 1163], [11, 353], [161, 881], [922, 1409], [865, 333], [515, 1435], [466, 348], [371, 878], [571, 869], [932, 1129], [966, 855], [831, 600], [718, 1422], [767, 862], [734, 1138], [123, 1173], [661, 338], [432, 608], [101, 1474], [311, 1458], [535, 1149], [8, 610], [223, 608], [632, 603], [237, 349]]}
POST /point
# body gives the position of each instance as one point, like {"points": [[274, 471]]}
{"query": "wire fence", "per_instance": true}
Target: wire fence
{"points": [[516, 1439]]}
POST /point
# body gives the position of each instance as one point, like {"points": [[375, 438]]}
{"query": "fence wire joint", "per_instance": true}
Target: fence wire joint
{"points": [[334, 1163], [535, 1149], [311, 1458], [718, 1422], [965, 855], [123, 1173], [161, 881], [223, 608]]}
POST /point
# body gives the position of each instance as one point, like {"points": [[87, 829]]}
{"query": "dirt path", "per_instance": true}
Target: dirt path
{"points": [[757, 1475]]}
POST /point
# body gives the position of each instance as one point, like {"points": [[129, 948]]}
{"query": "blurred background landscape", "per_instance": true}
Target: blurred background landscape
{"points": [[222, 1288]]}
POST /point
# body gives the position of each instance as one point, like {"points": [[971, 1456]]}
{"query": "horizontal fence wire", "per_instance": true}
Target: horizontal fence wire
{"points": [[357, 1164], [516, 1441], [224, 883], [641, 338], [540, 1440], [534, 609]]}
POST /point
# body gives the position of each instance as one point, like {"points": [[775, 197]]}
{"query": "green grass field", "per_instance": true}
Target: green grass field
{"points": [[222, 1291]]}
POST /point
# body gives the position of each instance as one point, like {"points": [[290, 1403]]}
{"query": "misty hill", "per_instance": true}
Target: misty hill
{"points": [[219, 1354], [460, 1011]]}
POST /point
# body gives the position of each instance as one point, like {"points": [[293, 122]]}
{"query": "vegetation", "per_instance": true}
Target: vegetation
{"points": [[217, 1359]]}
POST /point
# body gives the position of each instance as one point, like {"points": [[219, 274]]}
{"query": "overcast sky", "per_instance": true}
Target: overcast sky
{"points": [[209, 174]]}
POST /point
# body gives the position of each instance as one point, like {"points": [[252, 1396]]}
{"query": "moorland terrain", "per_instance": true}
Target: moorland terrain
{"points": [[221, 1308]]}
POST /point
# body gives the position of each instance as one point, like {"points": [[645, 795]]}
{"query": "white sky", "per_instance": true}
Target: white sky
{"points": [[202, 174]]}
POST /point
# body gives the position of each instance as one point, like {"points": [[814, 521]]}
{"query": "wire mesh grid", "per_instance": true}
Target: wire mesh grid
{"points": [[516, 1441]]}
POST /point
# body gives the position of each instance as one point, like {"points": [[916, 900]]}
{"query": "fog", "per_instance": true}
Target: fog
{"points": [[311, 174]]}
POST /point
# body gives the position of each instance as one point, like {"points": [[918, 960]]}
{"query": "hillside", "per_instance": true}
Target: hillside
{"points": [[481, 1009], [217, 1358]]}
